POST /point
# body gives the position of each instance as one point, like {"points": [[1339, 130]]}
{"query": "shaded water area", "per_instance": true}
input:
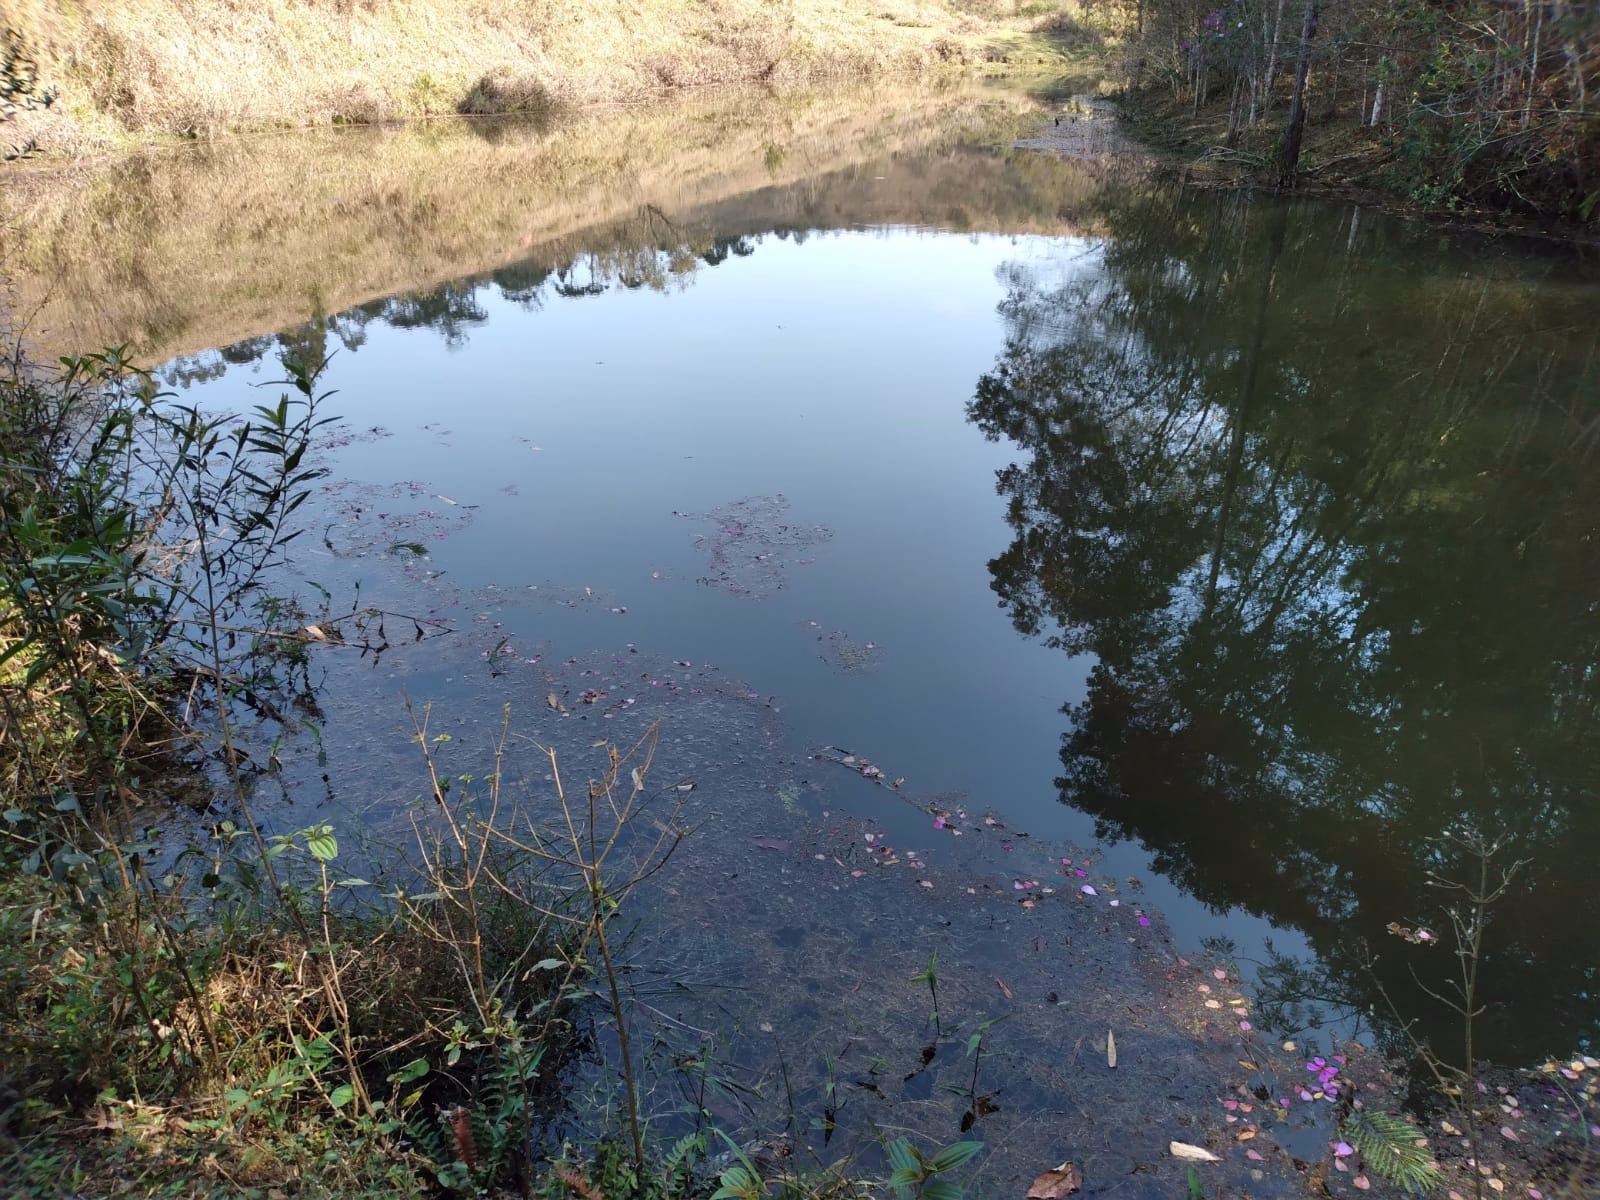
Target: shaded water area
{"points": [[957, 511]]}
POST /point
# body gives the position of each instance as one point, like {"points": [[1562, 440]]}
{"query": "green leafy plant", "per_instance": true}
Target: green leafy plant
{"points": [[930, 976], [1393, 1148], [917, 1177], [482, 1143]]}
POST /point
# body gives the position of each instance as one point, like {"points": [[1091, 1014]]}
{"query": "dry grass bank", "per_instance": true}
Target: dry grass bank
{"points": [[185, 248], [148, 68]]}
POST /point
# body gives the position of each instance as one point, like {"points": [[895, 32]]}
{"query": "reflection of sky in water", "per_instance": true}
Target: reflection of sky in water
{"points": [[835, 372]]}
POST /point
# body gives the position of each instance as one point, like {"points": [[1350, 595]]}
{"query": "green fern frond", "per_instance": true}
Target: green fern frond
{"points": [[1393, 1148], [681, 1156]]}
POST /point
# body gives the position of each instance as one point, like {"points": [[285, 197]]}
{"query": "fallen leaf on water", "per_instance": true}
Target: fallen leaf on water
{"points": [[1056, 1184], [1111, 1049], [316, 633], [1004, 990], [1191, 1153], [551, 700]]}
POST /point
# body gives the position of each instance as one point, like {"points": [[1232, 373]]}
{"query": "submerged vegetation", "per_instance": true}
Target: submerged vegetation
{"points": [[198, 1004]]}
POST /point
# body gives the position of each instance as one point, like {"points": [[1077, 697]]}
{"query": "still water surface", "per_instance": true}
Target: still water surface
{"points": [[1254, 540]]}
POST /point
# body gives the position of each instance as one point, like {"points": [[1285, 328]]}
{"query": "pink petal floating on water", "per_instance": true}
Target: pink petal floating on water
{"points": [[1362, 1182], [1144, 920], [927, 883], [1343, 1149], [1254, 1156], [1081, 874], [1230, 1105], [1219, 972], [1245, 1026], [1089, 891], [938, 822]]}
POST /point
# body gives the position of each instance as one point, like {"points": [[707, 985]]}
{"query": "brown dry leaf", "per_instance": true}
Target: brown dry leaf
{"points": [[1248, 1065], [1192, 1153], [1246, 1135], [1056, 1184], [1004, 990]]}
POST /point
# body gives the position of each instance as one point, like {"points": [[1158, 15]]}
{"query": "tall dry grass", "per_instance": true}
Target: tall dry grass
{"points": [[199, 67]]}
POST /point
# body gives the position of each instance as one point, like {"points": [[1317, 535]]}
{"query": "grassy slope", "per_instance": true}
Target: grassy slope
{"points": [[196, 67]]}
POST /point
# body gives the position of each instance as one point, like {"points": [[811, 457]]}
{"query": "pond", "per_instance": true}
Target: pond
{"points": [[1242, 551]]}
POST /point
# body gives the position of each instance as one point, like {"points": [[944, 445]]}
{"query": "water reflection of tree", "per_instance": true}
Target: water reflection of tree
{"points": [[645, 252], [1327, 522]]}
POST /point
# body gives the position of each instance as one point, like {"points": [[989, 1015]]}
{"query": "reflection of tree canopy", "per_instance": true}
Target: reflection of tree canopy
{"points": [[644, 252], [1327, 521]]}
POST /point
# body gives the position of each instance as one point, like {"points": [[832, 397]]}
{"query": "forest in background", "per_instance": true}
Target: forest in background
{"points": [[1462, 105]]}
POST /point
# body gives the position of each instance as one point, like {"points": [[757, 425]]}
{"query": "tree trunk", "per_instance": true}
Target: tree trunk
{"points": [[1533, 65], [1233, 111], [1289, 160], [1275, 39]]}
